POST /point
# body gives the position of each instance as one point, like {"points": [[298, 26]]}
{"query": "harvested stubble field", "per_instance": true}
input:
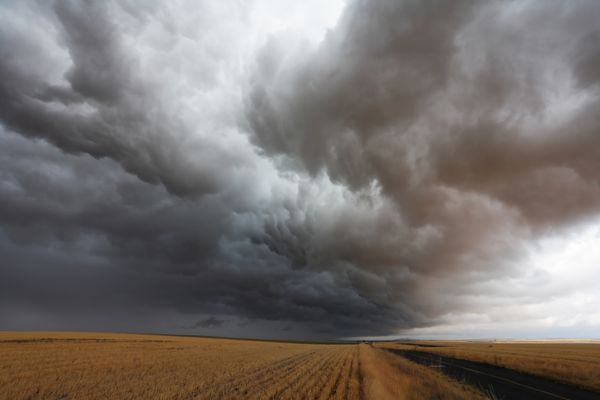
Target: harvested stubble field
{"points": [[570, 362], [123, 366]]}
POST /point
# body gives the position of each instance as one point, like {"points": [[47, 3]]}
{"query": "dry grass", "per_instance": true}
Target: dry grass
{"points": [[120, 366], [387, 376], [575, 363], [88, 366]]}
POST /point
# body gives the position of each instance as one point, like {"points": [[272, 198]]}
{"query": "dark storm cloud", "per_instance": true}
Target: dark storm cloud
{"points": [[81, 236], [210, 322], [453, 111], [362, 186]]}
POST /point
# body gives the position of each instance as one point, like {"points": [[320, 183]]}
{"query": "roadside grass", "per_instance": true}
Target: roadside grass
{"points": [[574, 363], [388, 376]]}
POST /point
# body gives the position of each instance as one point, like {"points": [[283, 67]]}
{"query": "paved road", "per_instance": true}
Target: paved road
{"points": [[503, 383]]}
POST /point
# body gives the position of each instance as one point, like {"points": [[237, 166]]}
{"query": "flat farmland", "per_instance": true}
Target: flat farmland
{"points": [[127, 366]]}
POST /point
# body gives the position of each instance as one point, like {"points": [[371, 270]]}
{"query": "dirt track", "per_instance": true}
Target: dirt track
{"points": [[501, 382]]}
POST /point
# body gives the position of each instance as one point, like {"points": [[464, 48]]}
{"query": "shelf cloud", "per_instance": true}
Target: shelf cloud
{"points": [[186, 167]]}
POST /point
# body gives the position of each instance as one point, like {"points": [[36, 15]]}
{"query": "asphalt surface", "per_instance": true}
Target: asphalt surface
{"points": [[501, 383]]}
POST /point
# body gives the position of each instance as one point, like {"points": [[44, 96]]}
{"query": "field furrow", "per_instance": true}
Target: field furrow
{"points": [[297, 384], [330, 386], [253, 381]]}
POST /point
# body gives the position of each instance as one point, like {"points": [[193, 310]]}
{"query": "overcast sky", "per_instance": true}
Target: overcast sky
{"points": [[301, 169]]}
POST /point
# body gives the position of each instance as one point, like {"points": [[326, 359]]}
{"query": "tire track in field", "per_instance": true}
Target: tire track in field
{"points": [[260, 375], [321, 381], [305, 376], [352, 388], [284, 381], [346, 388], [361, 383], [353, 371], [329, 389], [268, 375], [276, 379], [288, 387], [320, 374], [330, 385], [300, 377]]}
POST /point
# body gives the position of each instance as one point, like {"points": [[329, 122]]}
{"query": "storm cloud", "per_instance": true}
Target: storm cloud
{"points": [[176, 167]]}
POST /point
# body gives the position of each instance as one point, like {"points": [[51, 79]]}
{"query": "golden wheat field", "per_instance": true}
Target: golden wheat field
{"points": [[127, 366], [570, 362]]}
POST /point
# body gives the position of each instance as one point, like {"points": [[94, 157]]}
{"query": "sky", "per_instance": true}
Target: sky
{"points": [[314, 169]]}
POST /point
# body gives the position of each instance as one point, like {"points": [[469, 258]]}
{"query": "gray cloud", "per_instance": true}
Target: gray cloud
{"points": [[210, 322], [365, 185]]}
